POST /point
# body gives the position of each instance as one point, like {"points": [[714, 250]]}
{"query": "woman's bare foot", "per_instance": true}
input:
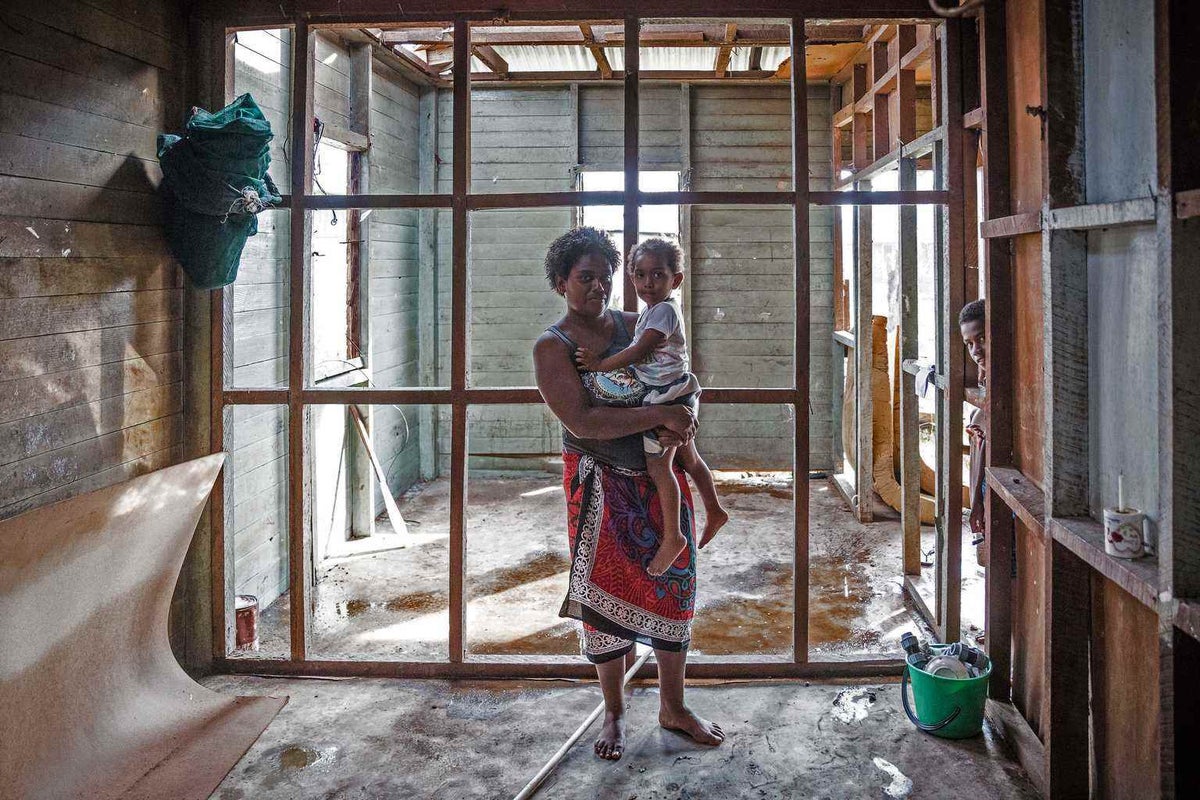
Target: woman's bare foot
{"points": [[668, 551], [684, 720], [712, 523], [611, 743]]}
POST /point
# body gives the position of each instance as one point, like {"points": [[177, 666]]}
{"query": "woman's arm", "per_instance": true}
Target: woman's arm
{"points": [[559, 384], [631, 355]]}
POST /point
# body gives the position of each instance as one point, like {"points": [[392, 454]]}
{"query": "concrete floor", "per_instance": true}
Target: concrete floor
{"points": [[392, 604], [377, 738]]}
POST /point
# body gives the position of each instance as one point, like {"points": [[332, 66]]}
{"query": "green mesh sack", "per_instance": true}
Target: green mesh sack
{"points": [[215, 182]]}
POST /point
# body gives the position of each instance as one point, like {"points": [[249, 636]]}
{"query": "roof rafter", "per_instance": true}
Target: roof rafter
{"points": [[726, 51], [488, 55], [607, 35], [597, 52]]}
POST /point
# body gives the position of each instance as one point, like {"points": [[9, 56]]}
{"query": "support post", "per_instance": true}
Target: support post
{"points": [[1178, 107], [576, 180], [460, 292], [910, 457], [864, 406], [802, 415], [903, 116], [632, 110], [360, 476], [427, 279], [299, 540], [950, 420], [1065, 298], [685, 211], [998, 289]]}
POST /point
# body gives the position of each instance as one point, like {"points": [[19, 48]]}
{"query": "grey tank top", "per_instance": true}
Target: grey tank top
{"points": [[626, 452]]}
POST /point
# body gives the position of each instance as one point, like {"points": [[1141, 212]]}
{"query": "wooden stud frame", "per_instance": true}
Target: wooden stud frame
{"points": [[299, 395]]}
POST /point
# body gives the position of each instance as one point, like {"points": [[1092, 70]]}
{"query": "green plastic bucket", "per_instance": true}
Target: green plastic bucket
{"points": [[948, 707]]}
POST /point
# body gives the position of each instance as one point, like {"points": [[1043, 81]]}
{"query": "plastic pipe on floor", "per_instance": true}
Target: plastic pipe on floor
{"points": [[532, 787]]}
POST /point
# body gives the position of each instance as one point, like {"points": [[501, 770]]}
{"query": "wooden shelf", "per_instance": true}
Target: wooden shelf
{"points": [[1015, 225], [1021, 495], [1084, 537]]}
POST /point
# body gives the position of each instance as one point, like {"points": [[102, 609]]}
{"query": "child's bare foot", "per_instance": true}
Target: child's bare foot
{"points": [[712, 523], [611, 743], [684, 720], [668, 551]]}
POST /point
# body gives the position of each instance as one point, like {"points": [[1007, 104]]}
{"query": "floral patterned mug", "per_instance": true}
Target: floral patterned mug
{"points": [[1123, 532]]}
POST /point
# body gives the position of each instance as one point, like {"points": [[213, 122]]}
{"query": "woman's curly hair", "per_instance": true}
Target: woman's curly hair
{"points": [[667, 252], [566, 250]]}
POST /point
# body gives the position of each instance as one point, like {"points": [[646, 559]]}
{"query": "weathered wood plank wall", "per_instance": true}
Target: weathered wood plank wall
{"points": [[525, 140], [260, 300], [90, 300], [1024, 78], [257, 317]]}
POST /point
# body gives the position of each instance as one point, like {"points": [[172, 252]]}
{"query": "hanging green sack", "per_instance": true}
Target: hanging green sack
{"points": [[215, 182]]}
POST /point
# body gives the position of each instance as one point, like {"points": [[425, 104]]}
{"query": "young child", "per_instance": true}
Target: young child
{"points": [[658, 356]]}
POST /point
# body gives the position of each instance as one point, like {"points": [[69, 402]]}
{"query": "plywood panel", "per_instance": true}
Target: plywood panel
{"points": [[1118, 62], [1125, 700], [1028, 627], [1123, 368], [1028, 399], [1024, 28]]}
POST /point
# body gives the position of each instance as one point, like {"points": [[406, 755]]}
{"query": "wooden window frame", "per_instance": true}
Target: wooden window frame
{"points": [[299, 394]]}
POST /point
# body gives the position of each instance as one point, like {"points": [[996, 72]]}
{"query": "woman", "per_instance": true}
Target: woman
{"points": [[613, 513]]}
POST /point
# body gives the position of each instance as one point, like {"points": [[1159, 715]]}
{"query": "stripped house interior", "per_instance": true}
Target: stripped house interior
{"points": [[302, 534]]}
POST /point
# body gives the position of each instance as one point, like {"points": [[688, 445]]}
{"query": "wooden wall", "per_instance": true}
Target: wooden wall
{"points": [[91, 366], [1024, 80], [257, 310], [527, 140], [1092, 666], [743, 307], [602, 128], [260, 309], [1123, 379], [395, 274], [1025, 146]]}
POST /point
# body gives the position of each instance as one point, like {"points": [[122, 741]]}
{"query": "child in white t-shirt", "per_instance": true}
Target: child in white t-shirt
{"points": [[658, 356]]}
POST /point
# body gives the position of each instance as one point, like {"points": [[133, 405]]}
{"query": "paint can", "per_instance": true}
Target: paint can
{"points": [[245, 609], [1124, 532]]}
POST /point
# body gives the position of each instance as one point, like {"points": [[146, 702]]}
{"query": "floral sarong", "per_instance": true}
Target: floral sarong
{"points": [[615, 524]]}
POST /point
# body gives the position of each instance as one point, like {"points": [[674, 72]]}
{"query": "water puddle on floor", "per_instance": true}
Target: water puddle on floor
{"points": [[759, 621], [416, 603], [297, 757]]}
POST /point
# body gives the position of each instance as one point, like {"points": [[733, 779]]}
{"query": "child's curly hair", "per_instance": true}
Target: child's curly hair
{"points": [[666, 252], [972, 311], [566, 250]]}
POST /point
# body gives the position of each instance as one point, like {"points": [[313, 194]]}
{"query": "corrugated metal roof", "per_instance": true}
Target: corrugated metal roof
{"points": [[542, 58], [577, 58], [574, 58]]}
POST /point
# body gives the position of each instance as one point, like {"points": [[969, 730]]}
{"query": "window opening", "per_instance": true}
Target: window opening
{"points": [[334, 332], [658, 220]]}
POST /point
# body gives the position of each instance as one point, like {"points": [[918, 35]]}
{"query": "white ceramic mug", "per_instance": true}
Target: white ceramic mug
{"points": [[1124, 532]]}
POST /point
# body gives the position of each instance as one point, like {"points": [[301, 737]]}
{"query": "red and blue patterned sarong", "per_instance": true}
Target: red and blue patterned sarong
{"points": [[615, 525]]}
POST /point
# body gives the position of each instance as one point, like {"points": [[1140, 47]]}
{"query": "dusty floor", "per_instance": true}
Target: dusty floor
{"points": [[376, 738], [392, 604]]}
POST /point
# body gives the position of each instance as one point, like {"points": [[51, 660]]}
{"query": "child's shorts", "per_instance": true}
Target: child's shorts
{"points": [[683, 392]]}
